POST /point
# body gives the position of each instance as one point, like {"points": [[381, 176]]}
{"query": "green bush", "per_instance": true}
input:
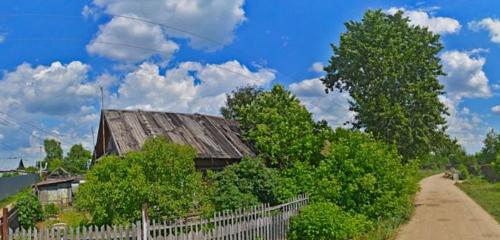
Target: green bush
{"points": [[364, 175], [162, 174], [463, 172], [294, 180], [51, 210], [246, 183], [29, 210], [326, 221]]}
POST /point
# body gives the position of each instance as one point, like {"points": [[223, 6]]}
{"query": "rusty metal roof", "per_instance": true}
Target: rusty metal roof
{"points": [[212, 137]]}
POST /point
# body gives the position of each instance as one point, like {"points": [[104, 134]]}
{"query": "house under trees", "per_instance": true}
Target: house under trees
{"points": [[217, 141]]}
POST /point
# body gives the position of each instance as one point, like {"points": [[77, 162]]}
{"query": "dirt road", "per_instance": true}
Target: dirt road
{"points": [[444, 212]]}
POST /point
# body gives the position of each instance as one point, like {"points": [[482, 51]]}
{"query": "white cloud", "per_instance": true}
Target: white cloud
{"points": [[2, 38], [189, 87], [489, 24], [46, 101], [122, 39], [465, 75], [317, 67], [332, 107], [207, 24], [496, 109], [464, 125], [441, 25]]}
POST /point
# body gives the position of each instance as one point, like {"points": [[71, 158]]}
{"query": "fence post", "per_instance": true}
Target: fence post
{"points": [[5, 224], [145, 222]]}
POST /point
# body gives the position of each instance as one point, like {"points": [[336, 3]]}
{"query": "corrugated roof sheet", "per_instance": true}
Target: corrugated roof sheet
{"points": [[213, 137]]}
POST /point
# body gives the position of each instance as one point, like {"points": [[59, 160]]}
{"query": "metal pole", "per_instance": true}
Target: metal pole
{"points": [[5, 224]]}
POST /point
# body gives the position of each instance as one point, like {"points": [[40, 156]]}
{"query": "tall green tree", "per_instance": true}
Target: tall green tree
{"points": [[280, 128], [77, 158], [391, 68], [238, 99], [53, 150], [489, 151]]}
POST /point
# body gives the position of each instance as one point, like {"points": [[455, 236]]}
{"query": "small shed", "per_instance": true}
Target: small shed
{"points": [[57, 191], [58, 188]]}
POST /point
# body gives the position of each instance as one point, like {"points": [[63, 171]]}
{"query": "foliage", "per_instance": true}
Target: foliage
{"points": [[238, 99], [73, 218], [51, 210], [496, 165], [31, 169], [280, 128], [364, 175], [76, 159], [246, 183], [29, 210], [162, 174], [54, 164], [326, 221], [489, 152], [10, 174], [485, 194], [53, 150], [464, 172], [391, 68], [294, 180]]}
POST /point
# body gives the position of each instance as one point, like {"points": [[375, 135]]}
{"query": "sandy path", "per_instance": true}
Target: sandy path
{"points": [[445, 212]]}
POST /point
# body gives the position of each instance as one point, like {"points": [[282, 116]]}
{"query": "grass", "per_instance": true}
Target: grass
{"points": [[485, 194], [13, 198], [68, 216]]}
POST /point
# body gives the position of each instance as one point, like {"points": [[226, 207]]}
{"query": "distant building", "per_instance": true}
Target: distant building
{"points": [[218, 141], [59, 188]]}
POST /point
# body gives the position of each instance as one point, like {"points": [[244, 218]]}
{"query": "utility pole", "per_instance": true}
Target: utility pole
{"points": [[102, 123]]}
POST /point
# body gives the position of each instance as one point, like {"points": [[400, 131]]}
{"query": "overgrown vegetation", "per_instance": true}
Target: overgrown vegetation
{"points": [[29, 210], [75, 162], [162, 174]]}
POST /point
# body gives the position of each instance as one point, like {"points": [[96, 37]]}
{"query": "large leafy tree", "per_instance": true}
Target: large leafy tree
{"points": [[162, 174], [391, 69], [238, 99], [280, 128], [77, 159], [489, 151], [53, 150]]}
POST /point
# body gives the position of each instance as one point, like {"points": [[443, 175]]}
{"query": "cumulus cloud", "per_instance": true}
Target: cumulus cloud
{"points": [[489, 24], [332, 107], [317, 67], [208, 25], [122, 39], [464, 125], [465, 75], [189, 87], [47, 101], [496, 109], [441, 25], [54, 90]]}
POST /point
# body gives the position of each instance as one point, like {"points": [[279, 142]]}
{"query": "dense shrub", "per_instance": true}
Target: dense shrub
{"points": [[326, 221], [162, 174], [463, 172], [29, 210], [362, 174], [294, 180], [246, 183]]}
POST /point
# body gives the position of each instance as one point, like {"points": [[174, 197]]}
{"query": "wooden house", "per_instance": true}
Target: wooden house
{"points": [[217, 141]]}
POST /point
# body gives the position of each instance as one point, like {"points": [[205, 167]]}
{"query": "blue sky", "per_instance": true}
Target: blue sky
{"points": [[55, 55]]}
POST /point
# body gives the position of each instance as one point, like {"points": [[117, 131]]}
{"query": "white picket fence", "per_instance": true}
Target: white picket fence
{"points": [[262, 222]]}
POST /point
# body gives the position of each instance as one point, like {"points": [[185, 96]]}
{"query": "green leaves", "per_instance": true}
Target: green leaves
{"points": [[29, 210], [161, 174], [326, 221], [280, 128], [390, 69]]}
